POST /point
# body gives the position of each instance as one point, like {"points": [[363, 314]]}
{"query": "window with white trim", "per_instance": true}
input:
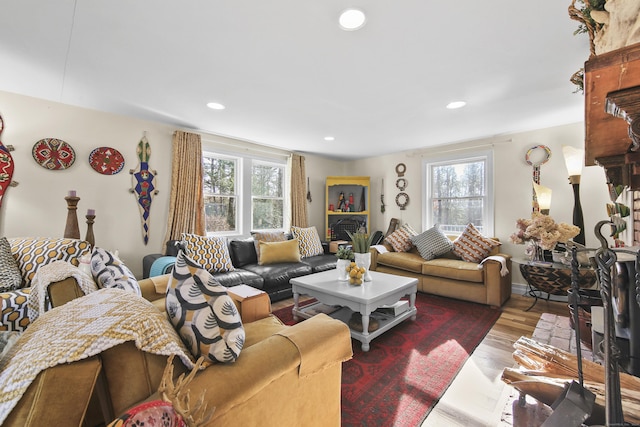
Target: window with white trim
{"points": [[243, 193], [459, 192]]}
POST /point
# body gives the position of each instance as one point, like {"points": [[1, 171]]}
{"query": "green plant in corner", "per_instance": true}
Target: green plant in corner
{"points": [[361, 242], [344, 252]]}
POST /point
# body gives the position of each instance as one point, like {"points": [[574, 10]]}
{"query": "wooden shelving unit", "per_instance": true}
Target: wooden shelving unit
{"points": [[356, 188]]}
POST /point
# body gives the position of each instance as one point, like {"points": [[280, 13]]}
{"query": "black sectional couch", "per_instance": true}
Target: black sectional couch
{"points": [[272, 278]]}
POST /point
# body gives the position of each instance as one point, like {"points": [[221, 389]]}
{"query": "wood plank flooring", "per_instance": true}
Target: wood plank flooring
{"points": [[477, 397]]}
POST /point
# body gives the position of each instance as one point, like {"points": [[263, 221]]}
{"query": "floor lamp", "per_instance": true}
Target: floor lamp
{"points": [[574, 158]]}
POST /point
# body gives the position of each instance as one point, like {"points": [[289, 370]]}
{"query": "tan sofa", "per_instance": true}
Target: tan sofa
{"points": [[283, 376], [449, 276]]}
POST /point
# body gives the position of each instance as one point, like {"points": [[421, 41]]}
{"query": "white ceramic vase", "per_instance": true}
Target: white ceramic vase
{"points": [[341, 266], [364, 260]]}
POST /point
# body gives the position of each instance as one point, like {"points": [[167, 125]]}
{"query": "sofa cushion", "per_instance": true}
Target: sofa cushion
{"points": [[432, 243], [322, 262], [202, 312], [110, 272], [239, 276], [32, 252], [278, 252], [400, 240], [243, 252], [453, 269], [10, 277], [211, 253], [408, 261], [309, 241], [472, 246]]}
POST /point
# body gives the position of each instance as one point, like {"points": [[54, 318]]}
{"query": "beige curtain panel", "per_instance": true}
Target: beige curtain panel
{"points": [[298, 192], [186, 206]]}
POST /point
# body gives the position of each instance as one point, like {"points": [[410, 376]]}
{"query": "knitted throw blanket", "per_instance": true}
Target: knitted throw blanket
{"points": [[83, 328], [38, 301]]}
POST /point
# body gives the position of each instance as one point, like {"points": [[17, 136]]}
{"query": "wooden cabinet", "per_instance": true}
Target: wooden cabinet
{"points": [[612, 104], [347, 205]]}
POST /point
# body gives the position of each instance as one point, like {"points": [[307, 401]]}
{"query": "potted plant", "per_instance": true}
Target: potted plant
{"points": [[345, 256], [361, 243]]}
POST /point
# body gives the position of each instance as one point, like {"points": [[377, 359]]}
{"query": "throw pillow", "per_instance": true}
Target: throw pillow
{"points": [[202, 312], [276, 252], [110, 272], [32, 253], [400, 240], [10, 277], [211, 253], [472, 246], [309, 241], [267, 236], [432, 243]]}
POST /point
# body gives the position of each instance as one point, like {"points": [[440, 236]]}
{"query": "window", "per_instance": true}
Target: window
{"points": [[220, 195], [243, 193], [460, 191], [267, 196]]}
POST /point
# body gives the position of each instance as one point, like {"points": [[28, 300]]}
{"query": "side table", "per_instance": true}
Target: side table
{"points": [[552, 278]]}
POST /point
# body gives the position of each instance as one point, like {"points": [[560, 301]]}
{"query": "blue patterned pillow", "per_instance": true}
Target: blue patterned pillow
{"points": [[202, 312], [109, 272], [432, 243]]}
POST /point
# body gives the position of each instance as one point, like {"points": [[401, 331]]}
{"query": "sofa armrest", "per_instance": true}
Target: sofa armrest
{"points": [[498, 286], [269, 380], [154, 288], [64, 291]]}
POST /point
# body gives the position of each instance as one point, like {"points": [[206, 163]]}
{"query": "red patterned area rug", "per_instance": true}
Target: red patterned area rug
{"points": [[408, 368]]}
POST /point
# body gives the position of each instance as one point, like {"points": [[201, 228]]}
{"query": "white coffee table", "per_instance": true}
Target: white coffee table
{"points": [[384, 289]]}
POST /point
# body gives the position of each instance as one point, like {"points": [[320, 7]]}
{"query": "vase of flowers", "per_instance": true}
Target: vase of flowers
{"points": [[361, 243], [542, 233], [345, 256]]}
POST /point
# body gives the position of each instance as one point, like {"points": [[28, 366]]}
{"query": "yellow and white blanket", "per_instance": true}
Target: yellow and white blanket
{"points": [[83, 328]]}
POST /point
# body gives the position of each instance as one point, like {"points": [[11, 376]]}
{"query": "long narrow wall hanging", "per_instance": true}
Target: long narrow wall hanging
{"points": [[6, 165], [536, 169], [144, 188]]}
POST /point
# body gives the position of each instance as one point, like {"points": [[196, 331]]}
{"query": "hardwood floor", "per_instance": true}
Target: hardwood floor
{"points": [[477, 397]]}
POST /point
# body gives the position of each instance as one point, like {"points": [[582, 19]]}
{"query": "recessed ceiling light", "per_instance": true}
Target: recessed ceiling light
{"points": [[352, 19], [329, 138], [456, 104], [216, 106]]}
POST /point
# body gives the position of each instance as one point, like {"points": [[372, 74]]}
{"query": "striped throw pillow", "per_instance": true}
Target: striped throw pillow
{"points": [[472, 246], [400, 240]]}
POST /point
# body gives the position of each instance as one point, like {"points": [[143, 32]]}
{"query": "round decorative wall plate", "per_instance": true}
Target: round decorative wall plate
{"points": [[106, 160], [53, 154], [402, 200], [401, 183]]}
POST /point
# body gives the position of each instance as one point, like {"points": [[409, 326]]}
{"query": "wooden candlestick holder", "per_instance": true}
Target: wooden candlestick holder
{"points": [[72, 230], [90, 237]]}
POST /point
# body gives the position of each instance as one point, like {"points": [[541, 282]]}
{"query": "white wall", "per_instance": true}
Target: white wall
{"points": [[512, 184], [37, 207]]}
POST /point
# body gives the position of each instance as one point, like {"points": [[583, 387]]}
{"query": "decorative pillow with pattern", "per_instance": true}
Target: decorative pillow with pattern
{"points": [[110, 272], [432, 243], [309, 241], [400, 240], [10, 277], [202, 312], [472, 246], [211, 253], [31, 253]]}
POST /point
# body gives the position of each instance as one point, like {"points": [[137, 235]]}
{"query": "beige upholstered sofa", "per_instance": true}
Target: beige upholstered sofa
{"points": [[283, 376], [449, 276]]}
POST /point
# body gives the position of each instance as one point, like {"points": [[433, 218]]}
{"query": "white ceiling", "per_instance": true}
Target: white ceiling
{"points": [[289, 75]]}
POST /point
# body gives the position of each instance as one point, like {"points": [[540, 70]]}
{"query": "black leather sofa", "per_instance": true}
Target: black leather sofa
{"points": [[272, 278]]}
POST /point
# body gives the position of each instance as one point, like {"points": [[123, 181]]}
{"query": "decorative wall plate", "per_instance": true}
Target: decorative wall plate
{"points": [[106, 160], [53, 154], [401, 183], [401, 168]]}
